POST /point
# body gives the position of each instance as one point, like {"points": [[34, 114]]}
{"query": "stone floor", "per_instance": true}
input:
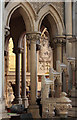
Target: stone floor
{"points": [[28, 116]]}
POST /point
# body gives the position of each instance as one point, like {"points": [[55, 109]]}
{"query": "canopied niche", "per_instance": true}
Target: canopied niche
{"points": [[47, 53]]}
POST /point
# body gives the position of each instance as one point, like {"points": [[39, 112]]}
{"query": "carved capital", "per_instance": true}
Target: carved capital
{"points": [[63, 67], [17, 50], [72, 39], [33, 36], [57, 76], [5, 53], [60, 40], [72, 62], [7, 31]]}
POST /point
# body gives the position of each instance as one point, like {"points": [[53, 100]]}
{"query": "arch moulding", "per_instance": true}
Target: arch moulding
{"points": [[50, 9], [26, 7]]}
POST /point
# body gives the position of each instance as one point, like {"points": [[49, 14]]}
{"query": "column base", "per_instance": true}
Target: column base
{"points": [[3, 112], [25, 102], [34, 110], [17, 101]]}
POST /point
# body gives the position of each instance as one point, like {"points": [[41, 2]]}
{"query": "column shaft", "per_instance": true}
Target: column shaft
{"points": [[59, 52], [68, 24], [33, 72], [33, 108], [17, 99], [28, 58], [23, 94], [17, 75], [1, 59], [24, 71]]}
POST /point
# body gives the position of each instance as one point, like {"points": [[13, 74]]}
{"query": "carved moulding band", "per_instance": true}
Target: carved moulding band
{"points": [[60, 40], [33, 36]]}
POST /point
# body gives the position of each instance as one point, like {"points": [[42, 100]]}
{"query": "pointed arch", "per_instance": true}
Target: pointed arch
{"points": [[50, 9], [26, 11]]}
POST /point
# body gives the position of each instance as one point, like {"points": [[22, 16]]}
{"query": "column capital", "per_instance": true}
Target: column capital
{"points": [[72, 62], [72, 39], [17, 50], [63, 67], [7, 31], [60, 39], [33, 36], [5, 53]]}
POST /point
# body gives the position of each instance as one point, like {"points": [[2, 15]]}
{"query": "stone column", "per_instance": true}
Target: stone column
{"points": [[33, 37], [67, 77], [1, 59], [23, 94], [73, 72], [28, 58], [6, 72], [73, 112], [2, 100], [68, 25], [59, 41], [17, 52], [71, 64]]}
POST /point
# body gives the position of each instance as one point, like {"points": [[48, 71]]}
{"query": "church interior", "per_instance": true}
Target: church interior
{"points": [[38, 60]]}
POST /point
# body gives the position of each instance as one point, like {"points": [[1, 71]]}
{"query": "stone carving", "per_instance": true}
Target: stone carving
{"points": [[10, 95], [7, 31], [45, 55], [14, 88], [60, 104], [63, 105], [33, 36]]}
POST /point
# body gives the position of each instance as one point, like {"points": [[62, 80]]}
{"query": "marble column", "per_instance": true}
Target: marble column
{"points": [[33, 37], [17, 52], [23, 93]]}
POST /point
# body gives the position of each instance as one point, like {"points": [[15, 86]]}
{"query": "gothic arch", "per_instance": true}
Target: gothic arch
{"points": [[25, 10], [50, 9]]}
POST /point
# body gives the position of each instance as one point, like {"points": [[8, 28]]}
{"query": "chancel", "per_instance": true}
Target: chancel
{"points": [[38, 60]]}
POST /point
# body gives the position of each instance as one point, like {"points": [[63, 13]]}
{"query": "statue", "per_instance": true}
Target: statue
{"points": [[14, 88]]}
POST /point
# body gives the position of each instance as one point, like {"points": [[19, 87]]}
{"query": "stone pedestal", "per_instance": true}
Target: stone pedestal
{"points": [[3, 112], [73, 110], [63, 104], [34, 110]]}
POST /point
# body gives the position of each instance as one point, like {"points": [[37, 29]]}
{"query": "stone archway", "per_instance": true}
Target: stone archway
{"points": [[51, 19], [19, 19], [25, 10]]}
